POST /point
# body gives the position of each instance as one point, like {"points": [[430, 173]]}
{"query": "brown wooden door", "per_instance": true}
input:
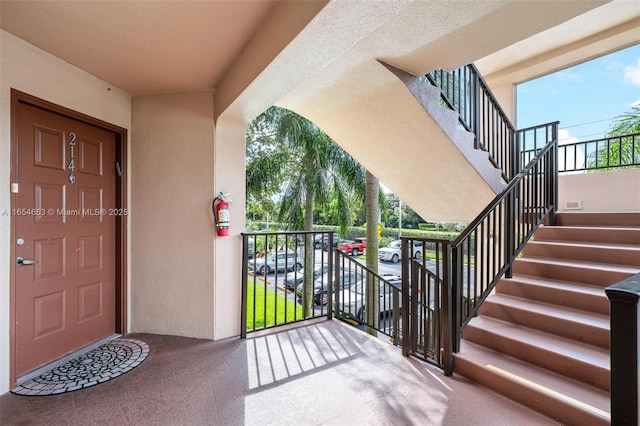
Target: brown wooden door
{"points": [[67, 299]]}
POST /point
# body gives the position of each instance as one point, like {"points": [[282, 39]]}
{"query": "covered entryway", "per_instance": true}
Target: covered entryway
{"points": [[67, 215]]}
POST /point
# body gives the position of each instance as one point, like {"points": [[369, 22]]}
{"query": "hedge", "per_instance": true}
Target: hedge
{"points": [[358, 231]]}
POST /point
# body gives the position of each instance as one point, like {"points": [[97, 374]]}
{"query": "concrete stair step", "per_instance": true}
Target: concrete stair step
{"points": [[562, 293], [567, 357], [588, 234], [589, 252], [581, 326], [599, 274], [569, 401], [611, 219]]}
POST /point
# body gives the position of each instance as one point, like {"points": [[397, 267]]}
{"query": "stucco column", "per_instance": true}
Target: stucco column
{"points": [[229, 177], [172, 169]]}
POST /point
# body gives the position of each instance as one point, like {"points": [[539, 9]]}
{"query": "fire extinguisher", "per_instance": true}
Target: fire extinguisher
{"points": [[220, 208]]}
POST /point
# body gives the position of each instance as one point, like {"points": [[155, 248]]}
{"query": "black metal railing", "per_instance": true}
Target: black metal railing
{"points": [[614, 152], [471, 266], [423, 320], [485, 250], [367, 298], [280, 288], [531, 140], [465, 91], [624, 302], [284, 278]]}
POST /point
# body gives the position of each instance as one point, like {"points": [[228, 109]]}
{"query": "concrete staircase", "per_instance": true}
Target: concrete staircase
{"points": [[542, 338]]}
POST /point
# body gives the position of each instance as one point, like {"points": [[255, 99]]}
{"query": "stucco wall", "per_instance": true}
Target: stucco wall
{"points": [[506, 98], [31, 70], [600, 192], [172, 152], [230, 178]]}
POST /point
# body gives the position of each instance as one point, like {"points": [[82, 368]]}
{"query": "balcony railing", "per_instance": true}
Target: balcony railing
{"points": [[368, 299], [426, 315], [615, 152], [284, 278], [290, 277]]}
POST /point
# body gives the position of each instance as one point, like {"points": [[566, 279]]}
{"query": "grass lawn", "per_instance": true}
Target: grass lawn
{"points": [[272, 316]]}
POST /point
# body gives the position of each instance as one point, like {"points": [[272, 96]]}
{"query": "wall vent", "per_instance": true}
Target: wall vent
{"points": [[574, 205]]}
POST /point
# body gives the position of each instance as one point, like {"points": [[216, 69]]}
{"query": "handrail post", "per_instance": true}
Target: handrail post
{"points": [[413, 307], [554, 175], [245, 283], [330, 265], [510, 231], [455, 300], [394, 315], [406, 300], [476, 107], [450, 332], [515, 145], [625, 348], [336, 278]]}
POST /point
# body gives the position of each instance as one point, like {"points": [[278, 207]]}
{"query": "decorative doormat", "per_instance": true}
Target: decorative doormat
{"points": [[99, 365]]}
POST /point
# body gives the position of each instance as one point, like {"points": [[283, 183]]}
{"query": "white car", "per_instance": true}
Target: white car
{"points": [[352, 298], [278, 261], [393, 251]]}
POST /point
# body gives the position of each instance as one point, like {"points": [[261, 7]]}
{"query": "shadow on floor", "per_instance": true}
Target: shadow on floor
{"points": [[317, 373]]}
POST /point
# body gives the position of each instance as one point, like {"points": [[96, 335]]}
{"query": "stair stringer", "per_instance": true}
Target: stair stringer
{"points": [[380, 123], [429, 97]]}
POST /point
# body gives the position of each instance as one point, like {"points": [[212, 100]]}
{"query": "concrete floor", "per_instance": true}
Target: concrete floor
{"points": [[316, 373]]}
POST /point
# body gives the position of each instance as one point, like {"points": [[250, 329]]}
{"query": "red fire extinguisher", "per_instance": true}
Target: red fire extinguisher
{"points": [[221, 214]]}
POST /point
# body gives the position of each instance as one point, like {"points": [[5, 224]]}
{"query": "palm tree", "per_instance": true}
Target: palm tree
{"points": [[310, 168], [373, 217], [624, 151]]}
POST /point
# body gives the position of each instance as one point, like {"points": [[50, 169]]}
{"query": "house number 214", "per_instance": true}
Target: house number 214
{"points": [[71, 166]]}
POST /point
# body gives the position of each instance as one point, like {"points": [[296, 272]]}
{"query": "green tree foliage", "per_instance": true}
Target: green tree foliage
{"points": [[410, 219], [623, 151], [627, 123], [290, 156]]}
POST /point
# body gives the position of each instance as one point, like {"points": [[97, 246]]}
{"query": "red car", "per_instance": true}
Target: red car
{"points": [[355, 247]]}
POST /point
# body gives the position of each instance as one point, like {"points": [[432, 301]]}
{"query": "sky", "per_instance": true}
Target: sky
{"points": [[584, 98]]}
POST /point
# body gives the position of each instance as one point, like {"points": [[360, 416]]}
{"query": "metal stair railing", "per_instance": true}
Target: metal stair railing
{"points": [[363, 297], [484, 252], [465, 91]]}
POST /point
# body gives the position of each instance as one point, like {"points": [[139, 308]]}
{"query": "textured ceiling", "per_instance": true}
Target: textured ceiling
{"points": [[140, 46]]}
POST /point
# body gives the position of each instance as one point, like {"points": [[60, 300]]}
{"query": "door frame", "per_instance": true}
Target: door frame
{"points": [[121, 276]]}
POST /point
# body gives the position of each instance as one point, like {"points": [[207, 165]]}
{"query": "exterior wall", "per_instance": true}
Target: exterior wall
{"points": [[172, 250], [506, 98], [617, 191], [31, 70]]}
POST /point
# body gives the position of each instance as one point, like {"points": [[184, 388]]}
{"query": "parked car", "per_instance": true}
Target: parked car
{"points": [[355, 247], [393, 251], [250, 248], [294, 278], [276, 261], [352, 298], [321, 285], [325, 242]]}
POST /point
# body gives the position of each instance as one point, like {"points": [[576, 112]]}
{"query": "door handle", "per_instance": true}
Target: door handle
{"points": [[22, 261]]}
